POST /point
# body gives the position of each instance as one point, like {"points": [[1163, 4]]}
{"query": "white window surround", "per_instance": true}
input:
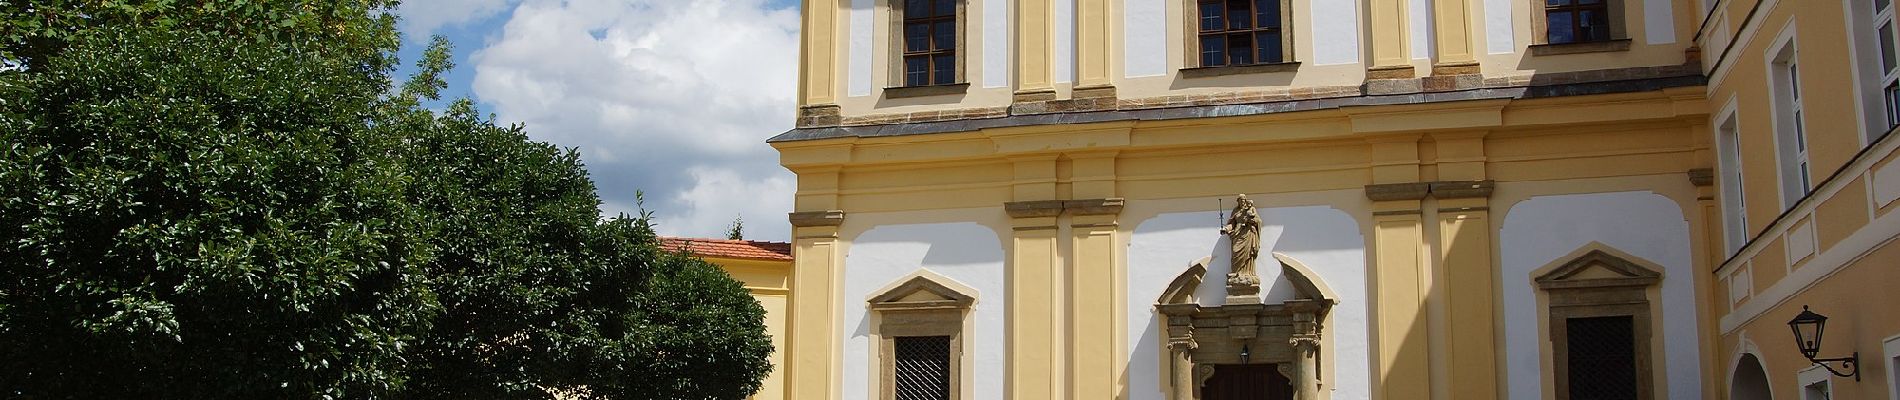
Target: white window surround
{"points": [[1891, 356], [1816, 383], [1728, 154], [1783, 64], [1887, 61]]}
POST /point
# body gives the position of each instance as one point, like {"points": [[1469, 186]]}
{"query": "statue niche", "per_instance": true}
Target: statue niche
{"points": [[1244, 336]]}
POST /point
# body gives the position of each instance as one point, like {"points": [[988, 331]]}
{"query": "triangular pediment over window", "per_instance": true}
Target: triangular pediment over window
{"points": [[923, 291], [1600, 267]]}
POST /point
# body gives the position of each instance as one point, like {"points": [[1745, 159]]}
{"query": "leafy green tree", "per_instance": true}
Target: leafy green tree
{"points": [[188, 216], [191, 213], [736, 231]]}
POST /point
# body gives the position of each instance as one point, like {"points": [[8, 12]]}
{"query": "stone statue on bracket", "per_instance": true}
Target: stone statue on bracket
{"points": [[1243, 231]]}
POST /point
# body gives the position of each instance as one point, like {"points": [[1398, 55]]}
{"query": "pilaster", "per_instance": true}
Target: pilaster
{"points": [[1470, 286], [1094, 265], [818, 54], [1032, 368], [813, 356], [1451, 25], [1399, 290], [1092, 48], [1034, 34], [1390, 59], [1400, 278]]}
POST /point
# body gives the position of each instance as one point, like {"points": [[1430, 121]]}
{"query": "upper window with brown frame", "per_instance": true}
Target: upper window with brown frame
{"points": [[1232, 33], [929, 42], [1577, 21]]}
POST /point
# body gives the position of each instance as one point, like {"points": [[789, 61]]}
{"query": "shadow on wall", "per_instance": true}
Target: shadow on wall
{"points": [[970, 254], [1540, 230]]}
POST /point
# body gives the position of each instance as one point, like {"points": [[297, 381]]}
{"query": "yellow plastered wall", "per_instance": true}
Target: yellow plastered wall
{"points": [[1434, 285], [770, 284], [1385, 37]]}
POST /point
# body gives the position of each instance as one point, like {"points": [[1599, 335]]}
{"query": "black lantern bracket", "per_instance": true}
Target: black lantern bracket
{"points": [[1808, 328], [1850, 363]]}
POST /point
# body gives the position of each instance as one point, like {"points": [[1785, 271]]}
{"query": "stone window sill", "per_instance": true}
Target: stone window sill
{"points": [[1208, 72], [925, 91], [1607, 46]]}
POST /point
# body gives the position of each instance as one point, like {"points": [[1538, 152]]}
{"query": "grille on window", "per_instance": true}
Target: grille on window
{"points": [[923, 367], [1602, 354]]}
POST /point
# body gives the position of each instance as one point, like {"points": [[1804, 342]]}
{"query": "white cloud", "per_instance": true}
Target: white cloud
{"points": [[675, 98], [421, 18]]}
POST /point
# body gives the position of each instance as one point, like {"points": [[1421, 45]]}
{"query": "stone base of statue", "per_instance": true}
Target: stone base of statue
{"points": [[1243, 288]]}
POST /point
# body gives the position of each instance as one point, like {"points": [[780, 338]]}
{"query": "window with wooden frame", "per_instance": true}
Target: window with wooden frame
{"points": [[1577, 21], [929, 32], [1238, 33]]}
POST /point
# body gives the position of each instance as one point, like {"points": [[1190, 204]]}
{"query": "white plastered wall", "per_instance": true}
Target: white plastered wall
{"points": [[1539, 230], [886, 247], [1166, 239]]}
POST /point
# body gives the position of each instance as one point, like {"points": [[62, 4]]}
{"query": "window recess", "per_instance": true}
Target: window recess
{"points": [[1239, 35]]}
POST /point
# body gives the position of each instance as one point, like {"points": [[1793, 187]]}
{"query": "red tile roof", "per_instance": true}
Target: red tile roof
{"points": [[722, 248]]}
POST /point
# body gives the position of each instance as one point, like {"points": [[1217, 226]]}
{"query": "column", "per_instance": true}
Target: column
{"points": [[1305, 343], [814, 356], [1092, 49], [1390, 49]]}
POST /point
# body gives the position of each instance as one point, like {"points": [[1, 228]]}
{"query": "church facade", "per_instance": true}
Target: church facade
{"points": [[1353, 199]]}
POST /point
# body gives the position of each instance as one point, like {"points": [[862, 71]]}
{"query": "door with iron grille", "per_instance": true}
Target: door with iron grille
{"points": [[923, 368]]}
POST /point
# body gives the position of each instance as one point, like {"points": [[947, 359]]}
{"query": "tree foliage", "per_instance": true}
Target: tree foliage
{"points": [[191, 213]]}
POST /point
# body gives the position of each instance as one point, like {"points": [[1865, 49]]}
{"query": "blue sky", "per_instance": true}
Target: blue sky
{"points": [[671, 97]]}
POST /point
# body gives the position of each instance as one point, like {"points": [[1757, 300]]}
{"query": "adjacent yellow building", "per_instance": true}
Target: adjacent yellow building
{"points": [[1447, 199], [765, 268]]}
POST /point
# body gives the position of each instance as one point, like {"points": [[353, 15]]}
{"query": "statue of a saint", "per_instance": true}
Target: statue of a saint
{"points": [[1243, 230]]}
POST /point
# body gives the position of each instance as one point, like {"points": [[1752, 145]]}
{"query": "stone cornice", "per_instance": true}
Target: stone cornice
{"points": [[1438, 189], [1051, 208], [817, 218]]}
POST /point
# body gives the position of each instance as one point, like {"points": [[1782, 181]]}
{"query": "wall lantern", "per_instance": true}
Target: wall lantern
{"points": [[1808, 327], [1244, 354]]}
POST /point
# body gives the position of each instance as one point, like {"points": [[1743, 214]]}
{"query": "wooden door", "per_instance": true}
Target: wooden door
{"points": [[1247, 382]]}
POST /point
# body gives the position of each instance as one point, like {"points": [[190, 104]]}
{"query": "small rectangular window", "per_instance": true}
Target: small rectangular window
{"points": [[1240, 32], [923, 367], [1602, 357], [930, 42]]}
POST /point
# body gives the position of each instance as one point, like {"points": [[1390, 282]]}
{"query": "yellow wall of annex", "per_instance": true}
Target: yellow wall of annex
{"points": [[770, 284]]}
